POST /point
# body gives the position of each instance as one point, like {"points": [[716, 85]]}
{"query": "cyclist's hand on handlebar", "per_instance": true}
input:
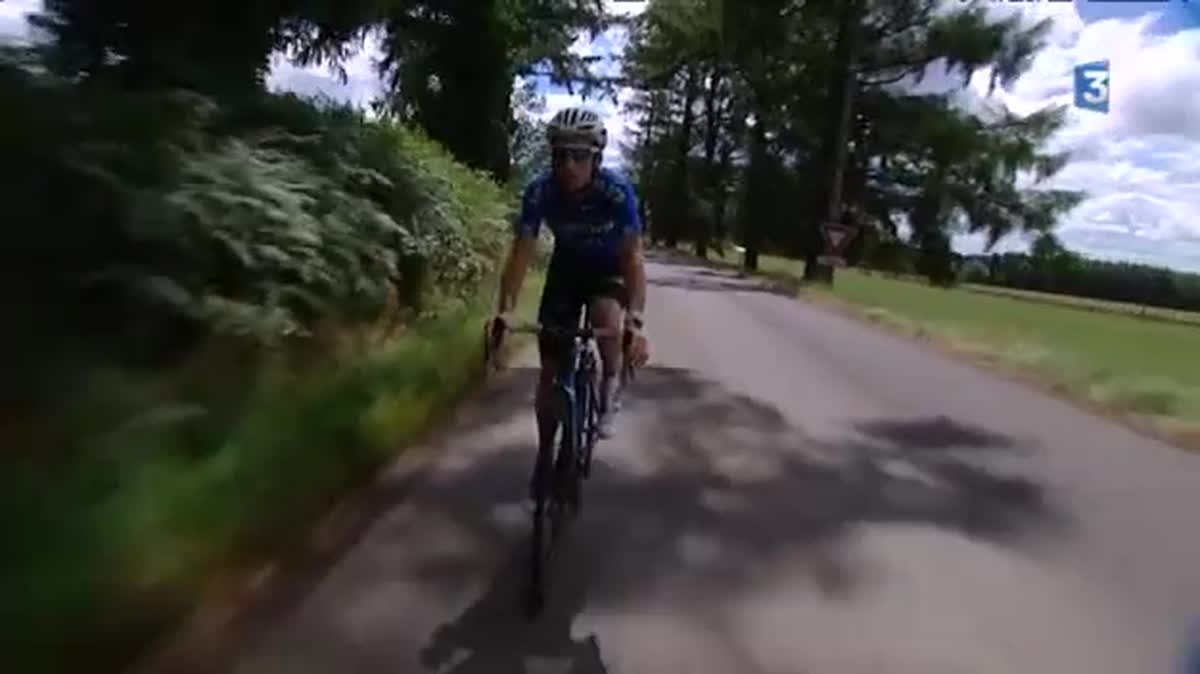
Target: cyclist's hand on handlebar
{"points": [[637, 348], [500, 323], [495, 334]]}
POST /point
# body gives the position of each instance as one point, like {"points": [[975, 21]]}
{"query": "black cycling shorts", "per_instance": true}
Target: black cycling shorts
{"points": [[565, 297]]}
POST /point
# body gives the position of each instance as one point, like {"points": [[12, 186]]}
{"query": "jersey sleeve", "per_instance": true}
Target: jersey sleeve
{"points": [[626, 211], [529, 220]]}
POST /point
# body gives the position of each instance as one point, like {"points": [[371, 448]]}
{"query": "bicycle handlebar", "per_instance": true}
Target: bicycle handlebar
{"points": [[561, 331], [493, 338]]}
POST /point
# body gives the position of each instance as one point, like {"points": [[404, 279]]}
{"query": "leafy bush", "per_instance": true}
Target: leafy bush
{"points": [[142, 224]]}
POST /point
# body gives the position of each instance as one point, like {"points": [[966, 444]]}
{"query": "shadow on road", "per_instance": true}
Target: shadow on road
{"points": [[718, 488], [692, 273], [731, 284], [716, 279], [509, 394], [493, 636]]}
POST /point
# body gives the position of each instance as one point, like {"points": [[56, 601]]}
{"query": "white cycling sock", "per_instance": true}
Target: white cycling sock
{"points": [[608, 391]]}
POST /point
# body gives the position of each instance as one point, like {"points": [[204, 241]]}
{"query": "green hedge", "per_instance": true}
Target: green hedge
{"points": [[176, 275], [139, 224]]}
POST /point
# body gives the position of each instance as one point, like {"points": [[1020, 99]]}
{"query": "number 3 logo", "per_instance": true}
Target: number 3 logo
{"points": [[1092, 85], [1097, 91]]}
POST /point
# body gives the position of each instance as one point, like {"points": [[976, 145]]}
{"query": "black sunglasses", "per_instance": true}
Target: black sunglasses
{"points": [[576, 154]]}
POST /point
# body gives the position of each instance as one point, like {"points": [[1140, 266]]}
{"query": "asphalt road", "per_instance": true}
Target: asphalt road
{"points": [[789, 491]]}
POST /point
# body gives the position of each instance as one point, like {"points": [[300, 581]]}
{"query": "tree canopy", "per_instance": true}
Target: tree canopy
{"points": [[787, 114]]}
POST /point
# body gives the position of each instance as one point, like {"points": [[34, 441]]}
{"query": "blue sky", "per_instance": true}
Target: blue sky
{"points": [[1139, 164]]}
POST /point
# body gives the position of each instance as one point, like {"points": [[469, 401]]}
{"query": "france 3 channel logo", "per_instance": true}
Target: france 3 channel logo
{"points": [[1091, 86]]}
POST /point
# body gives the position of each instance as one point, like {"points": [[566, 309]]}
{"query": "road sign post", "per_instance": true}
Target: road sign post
{"points": [[837, 237]]}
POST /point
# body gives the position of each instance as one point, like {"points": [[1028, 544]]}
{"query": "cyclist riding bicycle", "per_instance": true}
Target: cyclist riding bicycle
{"points": [[597, 261]]}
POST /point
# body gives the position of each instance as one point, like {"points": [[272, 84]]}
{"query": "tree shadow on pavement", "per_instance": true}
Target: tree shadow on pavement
{"points": [[695, 273], [716, 282], [711, 489], [934, 434], [493, 636], [509, 393]]}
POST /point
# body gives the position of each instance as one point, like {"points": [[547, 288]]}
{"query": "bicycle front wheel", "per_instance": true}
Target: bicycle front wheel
{"points": [[566, 472], [589, 414]]}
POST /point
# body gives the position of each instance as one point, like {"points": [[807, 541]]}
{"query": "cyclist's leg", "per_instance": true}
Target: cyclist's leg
{"points": [[606, 310], [560, 305]]}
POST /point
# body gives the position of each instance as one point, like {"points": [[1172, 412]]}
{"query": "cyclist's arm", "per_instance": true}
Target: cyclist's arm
{"points": [[633, 262], [520, 254], [633, 268], [523, 248]]}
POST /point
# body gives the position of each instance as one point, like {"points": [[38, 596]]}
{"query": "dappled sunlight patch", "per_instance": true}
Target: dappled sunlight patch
{"points": [[914, 603], [390, 416], [747, 467], [511, 515], [632, 639], [725, 500], [901, 470], [894, 321], [371, 615], [644, 464], [701, 550], [1028, 353], [1153, 396], [910, 488]]}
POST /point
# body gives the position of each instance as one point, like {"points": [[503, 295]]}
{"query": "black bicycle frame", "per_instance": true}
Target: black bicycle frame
{"points": [[567, 385]]}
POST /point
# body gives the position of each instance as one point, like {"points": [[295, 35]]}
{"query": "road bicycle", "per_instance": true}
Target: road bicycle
{"points": [[557, 482]]}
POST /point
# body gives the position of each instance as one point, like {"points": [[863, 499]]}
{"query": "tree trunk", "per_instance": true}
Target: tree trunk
{"points": [[834, 149], [721, 198], [720, 201], [682, 206], [711, 124], [476, 134], [649, 171], [755, 199]]}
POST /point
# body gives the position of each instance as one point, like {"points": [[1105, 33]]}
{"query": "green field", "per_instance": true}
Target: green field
{"points": [[1139, 310], [1123, 362]]}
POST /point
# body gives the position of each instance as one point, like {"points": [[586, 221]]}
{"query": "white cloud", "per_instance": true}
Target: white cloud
{"points": [[12, 18], [1139, 164], [362, 84], [625, 7]]}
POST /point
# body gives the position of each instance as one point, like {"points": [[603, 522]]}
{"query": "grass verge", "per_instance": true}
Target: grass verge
{"points": [[1141, 372], [107, 554]]}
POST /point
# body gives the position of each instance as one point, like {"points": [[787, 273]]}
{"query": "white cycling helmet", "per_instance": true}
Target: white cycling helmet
{"points": [[577, 127]]}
